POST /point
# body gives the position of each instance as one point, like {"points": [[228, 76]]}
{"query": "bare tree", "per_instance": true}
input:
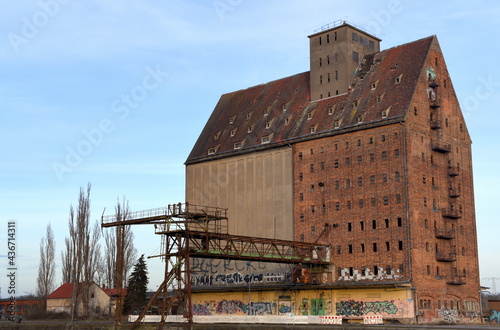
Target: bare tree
{"points": [[82, 255], [46, 267], [114, 250], [66, 256]]}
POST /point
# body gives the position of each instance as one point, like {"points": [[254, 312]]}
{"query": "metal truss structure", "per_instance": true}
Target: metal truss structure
{"points": [[193, 231]]}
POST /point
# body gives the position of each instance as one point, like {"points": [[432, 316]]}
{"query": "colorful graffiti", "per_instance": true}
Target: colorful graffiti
{"points": [[233, 307], [360, 308], [495, 315]]}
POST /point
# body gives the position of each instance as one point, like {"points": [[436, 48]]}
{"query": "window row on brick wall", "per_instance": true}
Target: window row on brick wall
{"points": [[355, 142], [355, 160], [465, 306], [369, 247], [359, 181], [349, 205]]}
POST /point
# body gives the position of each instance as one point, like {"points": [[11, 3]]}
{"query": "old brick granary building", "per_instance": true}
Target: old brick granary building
{"points": [[367, 152]]}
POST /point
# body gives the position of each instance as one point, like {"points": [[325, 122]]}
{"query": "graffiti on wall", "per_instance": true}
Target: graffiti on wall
{"points": [[233, 307], [360, 308], [495, 315], [370, 275], [448, 315], [208, 272], [236, 278]]}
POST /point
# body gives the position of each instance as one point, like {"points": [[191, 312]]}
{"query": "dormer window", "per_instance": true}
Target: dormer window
{"points": [[355, 104], [233, 132], [266, 111], [397, 79], [232, 119], [238, 145], [360, 119], [249, 115], [216, 135], [336, 124], [330, 111], [374, 85], [313, 129], [265, 139], [287, 121], [379, 98], [309, 115], [385, 112], [250, 129], [212, 151], [268, 124]]}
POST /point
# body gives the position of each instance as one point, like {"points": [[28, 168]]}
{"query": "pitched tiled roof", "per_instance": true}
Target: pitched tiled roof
{"points": [[281, 111], [64, 291]]}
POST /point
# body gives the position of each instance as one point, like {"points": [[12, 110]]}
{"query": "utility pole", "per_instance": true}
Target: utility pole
{"points": [[120, 242]]}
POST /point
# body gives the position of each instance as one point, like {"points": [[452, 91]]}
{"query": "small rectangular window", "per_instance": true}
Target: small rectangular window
{"points": [[362, 248], [355, 57], [350, 248], [400, 222], [349, 226], [374, 247], [362, 225], [400, 245], [374, 224]]}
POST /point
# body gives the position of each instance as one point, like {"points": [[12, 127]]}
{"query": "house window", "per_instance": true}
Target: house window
{"points": [[311, 168], [336, 163], [396, 153], [362, 248], [384, 155], [350, 250], [398, 177], [336, 124], [355, 57], [400, 222], [265, 139], [372, 158], [386, 223], [360, 181], [211, 151], [374, 224], [348, 161], [361, 202], [313, 230], [388, 246], [362, 225], [349, 226], [372, 179], [233, 131], [348, 183], [337, 206], [400, 245], [237, 145], [302, 217], [360, 160], [313, 209], [301, 197], [301, 176], [386, 200], [268, 124], [384, 177], [349, 205], [375, 247]]}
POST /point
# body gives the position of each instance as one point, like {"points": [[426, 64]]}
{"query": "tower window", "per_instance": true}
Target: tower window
{"points": [[355, 57]]}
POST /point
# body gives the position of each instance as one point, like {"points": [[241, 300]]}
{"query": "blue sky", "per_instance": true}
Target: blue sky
{"points": [[115, 93]]}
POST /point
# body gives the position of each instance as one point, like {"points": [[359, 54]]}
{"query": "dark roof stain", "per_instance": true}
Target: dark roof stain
{"points": [[281, 111]]}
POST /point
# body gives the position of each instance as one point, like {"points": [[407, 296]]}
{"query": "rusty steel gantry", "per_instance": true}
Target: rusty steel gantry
{"points": [[194, 231]]}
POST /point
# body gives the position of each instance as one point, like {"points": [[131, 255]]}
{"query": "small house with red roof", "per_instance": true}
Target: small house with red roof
{"points": [[101, 300]]}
